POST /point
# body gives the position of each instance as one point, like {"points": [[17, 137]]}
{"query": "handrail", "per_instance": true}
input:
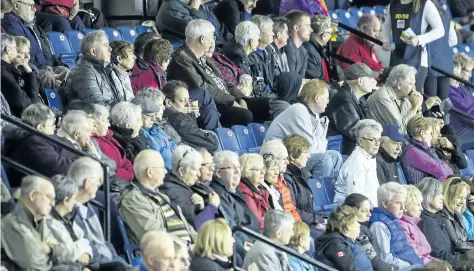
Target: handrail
{"points": [[283, 248], [379, 42], [19, 123]]}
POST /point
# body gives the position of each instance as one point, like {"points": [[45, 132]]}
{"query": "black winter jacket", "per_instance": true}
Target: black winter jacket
{"points": [[387, 170], [266, 65], [187, 128], [454, 158], [297, 58], [132, 146], [301, 194], [20, 90], [229, 13], [454, 227], [344, 111], [206, 264], [316, 53], [432, 226]]}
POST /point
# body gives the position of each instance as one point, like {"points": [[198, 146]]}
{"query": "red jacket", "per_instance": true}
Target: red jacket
{"points": [[64, 3], [256, 199], [110, 147], [360, 51], [145, 74]]}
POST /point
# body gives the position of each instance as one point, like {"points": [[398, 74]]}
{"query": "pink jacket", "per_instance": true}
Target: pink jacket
{"points": [[416, 239]]}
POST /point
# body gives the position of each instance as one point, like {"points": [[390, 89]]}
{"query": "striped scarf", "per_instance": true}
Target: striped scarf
{"points": [[174, 225]]}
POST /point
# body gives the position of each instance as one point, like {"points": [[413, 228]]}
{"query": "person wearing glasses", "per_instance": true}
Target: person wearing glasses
{"points": [[419, 159], [253, 175], [359, 172], [390, 236], [389, 154], [123, 58], [178, 184]]}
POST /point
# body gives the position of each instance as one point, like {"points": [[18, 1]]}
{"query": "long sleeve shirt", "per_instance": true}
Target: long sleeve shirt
{"points": [[383, 237]]}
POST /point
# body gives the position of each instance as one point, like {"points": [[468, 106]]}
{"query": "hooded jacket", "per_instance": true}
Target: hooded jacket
{"points": [[454, 227], [341, 252], [416, 239], [132, 146], [256, 199], [159, 141], [145, 74], [20, 90], [387, 170], [207, 264]]}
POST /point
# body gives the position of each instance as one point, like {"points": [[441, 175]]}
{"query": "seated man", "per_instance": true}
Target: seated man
{"points": [[263, 60], [189, 65], [318, 62], [88, 175], [177, 105], [299, 30], [359, 174], [276, 48], [390, 236], [94, 79], [303, 119], [158, 249], [389, 154], [360, 50], [143, 208], [349, 105], [278, 226]]}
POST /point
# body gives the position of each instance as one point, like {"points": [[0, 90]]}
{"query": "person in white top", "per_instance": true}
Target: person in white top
{"points": [[359, 172]]}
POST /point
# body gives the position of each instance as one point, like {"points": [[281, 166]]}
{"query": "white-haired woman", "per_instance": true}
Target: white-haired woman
{"points": [[359, 174], [126, 122], [186, 164]]}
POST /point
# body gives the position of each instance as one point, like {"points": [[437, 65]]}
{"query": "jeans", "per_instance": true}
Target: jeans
{"points": [[437, 86], [209, 117], [325, 164], [60, 23]]}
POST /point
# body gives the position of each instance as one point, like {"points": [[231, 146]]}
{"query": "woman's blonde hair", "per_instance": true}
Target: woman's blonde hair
{"points": [[451, 188], [462, 60], [300, 231], [250, 160], [313, 88], [211, 239], [416, 125], [414, 195], [341, 219], [434, 124], [22, 41]]}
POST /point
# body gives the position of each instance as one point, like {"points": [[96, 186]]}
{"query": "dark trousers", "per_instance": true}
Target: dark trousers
{"points": [[437, 86], [209, 116], [259, 107], [231, 115], [420, 78], [59, 23]]}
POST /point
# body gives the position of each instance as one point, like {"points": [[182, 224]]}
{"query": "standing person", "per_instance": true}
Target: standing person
{"points": [[318, 62], [422, 17], [299, 30], [233, 12], [437, 84]]}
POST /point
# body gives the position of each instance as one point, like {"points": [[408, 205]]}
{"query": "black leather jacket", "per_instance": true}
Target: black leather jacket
{"points": [[454, 227]]}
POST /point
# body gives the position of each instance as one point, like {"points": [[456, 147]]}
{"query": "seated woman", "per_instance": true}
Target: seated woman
{"points": [[156, 138], [126, 120], [214, 247], [253, 174], [186, 163], [409, 222], [272, 173], [366, 239], [431, 223], [301, 242], [109, 145], [151, 71], [418, 159], [455, 192], [469, 211], [123, 57], [297, 177], [229, 71], [338, 246]]}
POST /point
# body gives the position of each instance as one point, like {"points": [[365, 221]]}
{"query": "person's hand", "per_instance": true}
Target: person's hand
{"points": [[236, 104], [247, 245], [432, 101], [243, 103], [413, 41], [386, 46], [196, 4], [214, 199], [21, 62], [416, 99], [439, 115], [84, 259], [445, 143], [198, 200], [88, 145]]}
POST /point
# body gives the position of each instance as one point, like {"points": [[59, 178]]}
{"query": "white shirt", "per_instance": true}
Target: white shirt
{"points": [[358, 175], [274, 194]]}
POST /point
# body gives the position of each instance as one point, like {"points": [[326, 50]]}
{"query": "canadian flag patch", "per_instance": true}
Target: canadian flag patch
{"points": [[340, 254]]}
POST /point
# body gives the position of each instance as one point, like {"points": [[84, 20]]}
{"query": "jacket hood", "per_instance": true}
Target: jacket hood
{"points": [[326, 239], [288, 85]]}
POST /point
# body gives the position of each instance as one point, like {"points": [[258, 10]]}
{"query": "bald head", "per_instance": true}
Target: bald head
{"points": [[370, 25], [149, 168], [38, 195], [158, 251]]}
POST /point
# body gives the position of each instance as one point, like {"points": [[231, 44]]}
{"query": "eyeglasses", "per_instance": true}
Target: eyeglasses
{"points": [[261, 169], [208, 165], [32, 6], [271, 156], [373, 140], [234, 168]]}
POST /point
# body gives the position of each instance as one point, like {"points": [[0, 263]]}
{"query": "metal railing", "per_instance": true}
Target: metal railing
{"points": [[287, 250], [105, 207]]}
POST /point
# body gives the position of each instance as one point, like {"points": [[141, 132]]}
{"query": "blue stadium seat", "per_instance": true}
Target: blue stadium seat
{"points": [[128, 34], [75, 38], [112, 34], [259, 131], [87, 30], [61, 48], [345, 17], [228, 139], [355, 13], [335, 143], [470, 154], [219, 148], [128, 247], [380, 9], [464, 48], [267, 123], [471, 46], [245, 138], [330, 186], [366, 10], [322, 205], [142, 29], [469, 171], [54, 99], [446, 7], [401, 174]]}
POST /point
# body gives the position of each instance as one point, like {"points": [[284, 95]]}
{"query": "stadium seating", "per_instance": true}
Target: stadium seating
{"points": [[87, 30], [142, 29], [128, 34], [128, 247], [219, 147], [322, 205], [259, 131], [367, 10], [54, 99], [112, 33], [62, 48], [330, 186], [267, 124], [246, 139], [380, 9], [335, 143], [469, 171], [75, 38], [228, 140]]}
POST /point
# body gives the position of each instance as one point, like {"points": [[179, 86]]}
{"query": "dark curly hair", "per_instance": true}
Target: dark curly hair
{"points": [[157, 51], [170, 89]]}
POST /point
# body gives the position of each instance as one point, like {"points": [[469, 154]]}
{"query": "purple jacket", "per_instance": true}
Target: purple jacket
{"points": [[416, 239], [462, 99], [420, 161], [309, 6]]}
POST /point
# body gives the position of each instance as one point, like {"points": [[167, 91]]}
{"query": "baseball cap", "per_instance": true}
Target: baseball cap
{"points": [[147, 105], [358, 70], [393, 132]]}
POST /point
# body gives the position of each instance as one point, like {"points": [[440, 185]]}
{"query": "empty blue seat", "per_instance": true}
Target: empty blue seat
{"points": [[366, 10], [141, 29], [54, 99], [228, 139], [330, 185], [380, 9], [401, 175], [470, 154], [335, 143], [112, 33], [267, 123], [245, 138], [127, 246], [446, 7], [219, 147], [259, 131], [469, 170], [128, 34], [75, 38], [61, 48], [465, 48], [355, 13], [88, 30], [322, 205], [346, 18]]}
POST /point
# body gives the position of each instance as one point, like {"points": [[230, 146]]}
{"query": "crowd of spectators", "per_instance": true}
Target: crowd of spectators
{"points": [[145, 110]]}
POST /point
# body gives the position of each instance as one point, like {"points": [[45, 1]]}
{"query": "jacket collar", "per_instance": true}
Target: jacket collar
{"points": [[307, 107], [428, 214], [146, 191], [387, 157], [171, 177], [418, 144], [383, 212], [123, 131], [364, 153], [220, 183], [25, 216], [247, 183], [412, 220], [360, 40], [318, 47], [293, 170], [98, 64]]}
